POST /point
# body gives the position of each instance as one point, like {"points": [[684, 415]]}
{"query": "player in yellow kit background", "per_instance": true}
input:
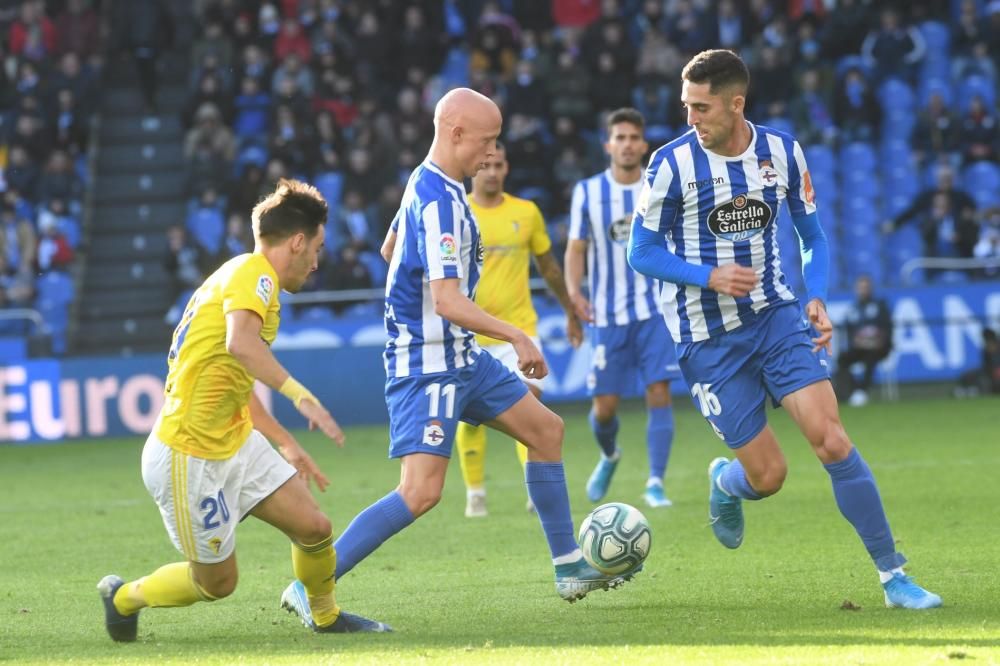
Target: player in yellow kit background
{"points": [[205, 464], [513, 232]]}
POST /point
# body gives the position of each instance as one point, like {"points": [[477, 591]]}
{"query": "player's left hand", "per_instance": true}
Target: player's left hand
{"points": [[308, 469], [816, 311], [318, 417], [574, 330]]}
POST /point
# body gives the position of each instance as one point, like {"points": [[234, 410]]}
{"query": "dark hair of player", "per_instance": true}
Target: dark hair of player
{"points": [[292, 208], [625, 115], [720, 69]]}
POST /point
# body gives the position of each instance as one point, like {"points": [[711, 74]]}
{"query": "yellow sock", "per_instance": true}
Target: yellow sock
{"points": [[522, 453], [169, 586], [471, 443], [315, 565]]}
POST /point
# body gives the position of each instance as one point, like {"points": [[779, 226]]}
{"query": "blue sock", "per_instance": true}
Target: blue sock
{"points": [[605, 433], [370, 529], [733, 480], [858, 499], [659, 438], [546, 483]]}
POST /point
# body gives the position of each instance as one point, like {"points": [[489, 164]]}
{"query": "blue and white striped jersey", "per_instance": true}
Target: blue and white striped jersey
{"points": [[717, 210], [601, 214], [437, 238]]}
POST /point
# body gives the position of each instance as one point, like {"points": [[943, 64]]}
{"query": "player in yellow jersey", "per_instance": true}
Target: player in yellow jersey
{"points": [[204, 463], [513, 232]]}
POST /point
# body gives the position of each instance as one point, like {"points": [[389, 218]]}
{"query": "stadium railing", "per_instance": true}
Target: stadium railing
{"points": [[907, 270], [27, 314]]}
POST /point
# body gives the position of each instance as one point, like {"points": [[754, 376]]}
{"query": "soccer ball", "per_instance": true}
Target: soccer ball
{"points": [[615, 538]]}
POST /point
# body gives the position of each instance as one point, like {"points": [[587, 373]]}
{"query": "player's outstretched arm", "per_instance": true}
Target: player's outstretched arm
{"points": [[289, 447], [575, 262], [451, 304], [549, 269], [243, 341]]}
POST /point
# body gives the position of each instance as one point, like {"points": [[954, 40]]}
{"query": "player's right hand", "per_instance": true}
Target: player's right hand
{"points": [[733, 279], [584, 310], [318, 417], [574, 331], [529, 358]]}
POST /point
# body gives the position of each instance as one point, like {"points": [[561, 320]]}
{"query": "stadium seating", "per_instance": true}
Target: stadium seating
{"points": [[982, 181]]}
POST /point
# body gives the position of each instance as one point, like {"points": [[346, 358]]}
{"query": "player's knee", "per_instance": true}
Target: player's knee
{"points": [[603, 413], [315, 529], [771, 480], [420, 499], [832, 443], [219, 586]]}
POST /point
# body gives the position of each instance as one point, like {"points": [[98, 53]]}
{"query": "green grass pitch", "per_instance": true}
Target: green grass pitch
{"points": [[464, 591]]}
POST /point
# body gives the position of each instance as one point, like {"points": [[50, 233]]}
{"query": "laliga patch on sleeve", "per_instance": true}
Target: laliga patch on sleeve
{"points": [[448, 248], [265, 288], [642, 205]]}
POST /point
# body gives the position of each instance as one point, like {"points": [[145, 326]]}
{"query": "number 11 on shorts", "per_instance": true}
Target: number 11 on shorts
{"points": [[434, 392]]}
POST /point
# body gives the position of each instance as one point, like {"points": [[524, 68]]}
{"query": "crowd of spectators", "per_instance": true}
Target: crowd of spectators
{"points": [[50, 59], [341, 92]]}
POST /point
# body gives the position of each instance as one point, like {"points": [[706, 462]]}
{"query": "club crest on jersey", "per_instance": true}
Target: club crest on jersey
{"points": [[433, 433], [767, 173], [480, 251], [448, 248], [740, 219], [618, 230], [265, 288]]}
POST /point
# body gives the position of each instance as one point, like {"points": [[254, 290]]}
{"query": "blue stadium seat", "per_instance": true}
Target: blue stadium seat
{"points": [[857, 156], [898, 123], [935, 84], [901, 246], [331, 185], [207, 226], [935, 68], [820, 159], [377, 268], [455, 70], [938, 38], [863, 184], [976, 85], [896, 94], [781, 124], [54, 294], [982, 181], [250, 154], [852, 62]]}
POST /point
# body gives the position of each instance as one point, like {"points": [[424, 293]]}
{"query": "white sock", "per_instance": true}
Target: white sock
{"points": [[885, 576], [614, 456], [568, 558], [475, 492], [654, 481]]}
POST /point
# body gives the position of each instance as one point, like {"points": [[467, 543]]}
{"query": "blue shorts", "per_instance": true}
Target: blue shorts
{"points": [[731, 375], [621, 354], [424, 410]]}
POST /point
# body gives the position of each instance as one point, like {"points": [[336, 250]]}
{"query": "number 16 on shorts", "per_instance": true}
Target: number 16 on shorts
{"points": [[709, 404]]}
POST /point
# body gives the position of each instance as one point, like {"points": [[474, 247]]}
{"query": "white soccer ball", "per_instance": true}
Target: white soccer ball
{"points": [[615, 538]]}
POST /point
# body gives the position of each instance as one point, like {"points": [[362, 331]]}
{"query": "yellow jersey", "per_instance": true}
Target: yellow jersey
{"points": [[511, 234], [206, 412]]}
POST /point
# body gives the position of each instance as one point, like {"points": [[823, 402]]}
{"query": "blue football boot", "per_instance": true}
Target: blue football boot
{"points": [[654, 495], [724, 511], [576, 580], [295, 600], [600, 478], [902, 592], [122, 628]]}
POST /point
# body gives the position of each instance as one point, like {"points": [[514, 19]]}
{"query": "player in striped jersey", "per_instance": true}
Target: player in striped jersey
{"points": [[628, 336], [436, 373], [707, 224]]}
